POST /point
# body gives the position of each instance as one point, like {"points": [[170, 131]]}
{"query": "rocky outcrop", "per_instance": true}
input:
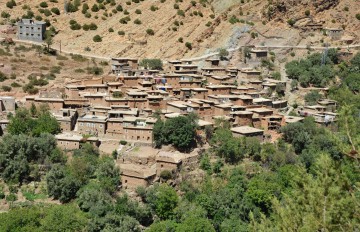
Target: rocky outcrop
{"points": [[282, 9]]}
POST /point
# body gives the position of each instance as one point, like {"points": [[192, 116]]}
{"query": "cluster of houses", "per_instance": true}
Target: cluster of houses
{"points": [[120, 106]]}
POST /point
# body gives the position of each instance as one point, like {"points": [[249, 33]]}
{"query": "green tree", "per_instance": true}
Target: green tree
{"points": [[312, 97], [194, 224], [223, 53], [322, 201], [164, 201], [64, 218], [151, 64]]}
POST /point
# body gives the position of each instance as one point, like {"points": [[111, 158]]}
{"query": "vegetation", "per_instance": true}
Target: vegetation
{"points": [[153, 64]]}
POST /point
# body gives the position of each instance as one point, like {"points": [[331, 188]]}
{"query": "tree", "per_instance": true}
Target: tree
{"points": [[48, 40], [108, 175], [164, 200], [151, 64], [223, 53], [312, 97], [64, 218], [322, 201], [195, 224]]}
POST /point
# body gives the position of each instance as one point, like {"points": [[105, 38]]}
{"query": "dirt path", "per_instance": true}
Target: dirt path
{"points": [[57, 48]]}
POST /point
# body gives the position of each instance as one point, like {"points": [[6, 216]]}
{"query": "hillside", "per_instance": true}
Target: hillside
{"points": [[206, 25]]}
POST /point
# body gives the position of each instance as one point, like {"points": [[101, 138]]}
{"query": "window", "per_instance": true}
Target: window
{"points": [[100, 126]]}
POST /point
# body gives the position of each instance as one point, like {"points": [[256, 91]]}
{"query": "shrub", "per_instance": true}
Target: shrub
{"points": [[291, 22], [111, 30], [181, 40], [85, 27], [119, 8], [123, 142], [212, 16], [10, 4], [357, 16], [121, 32], [165, 175], [5, 15], [55, 10], [150, 31], [75, 26], [188, 45], [176, 6], [137, 21], [11, 197], [93, 26], [97, 38], [95, 70], [181, 13], [95, 8], [153, 8], [3, 76], [47, 13], [307, 13], [6, 88], [137, 11], [15, 85], [43, 4]]}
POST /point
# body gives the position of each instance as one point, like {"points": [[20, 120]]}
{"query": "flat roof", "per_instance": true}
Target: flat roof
{"points": [[246, 130]]}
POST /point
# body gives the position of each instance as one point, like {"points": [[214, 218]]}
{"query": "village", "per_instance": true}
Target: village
{"points": [[117, 110]]}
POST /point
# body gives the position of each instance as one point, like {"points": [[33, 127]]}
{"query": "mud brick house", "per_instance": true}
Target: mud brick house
{"points": [[94, 125], [138, 129], [212, 62], [262, 102], [133, 176], [171, 65], [3, 126], [222, 109], [185, 69], [95, 98], [214, 71], [121, 65], [29, 29], [280, 104], [155, 102], [258, 54], [243, 118], [7, 104], [273, 122], [217, 80], [246, 131], [68, 141], [334, 33], [67, 119], [52, 103], [199, 93], [219, 89], [170, 161], [250, 73], [129, 80]]}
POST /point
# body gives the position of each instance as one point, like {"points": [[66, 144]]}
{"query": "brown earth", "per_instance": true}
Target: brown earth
{"points": [[205, 39]]}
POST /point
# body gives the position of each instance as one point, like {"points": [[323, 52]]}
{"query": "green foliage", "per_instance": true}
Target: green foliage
{"points": [[311, 71], [10, 4], [164, 201], [188, 45], [178, 131], [151, 64], [312, 97], [97, 38], [150, 31], [223, 53], [18, 151], [22, 123], [335, 205]]}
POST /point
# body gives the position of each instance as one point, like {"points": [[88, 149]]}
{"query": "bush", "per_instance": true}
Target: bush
{"points": [[176, 6], [95, 8], [181, 40], [3, 76], [11, 197], [123, 142], [307, 13], [43, 4], [75, 26], [97, 38], [291, 22], [150, 31], [10, 4], [121, 32], [55, 10], [6, 88], [151, 64], [47, 13], [137, 11], [119, 8], [357, 16], [93, 26], [188, 45], [181, 13], [111, 29], [153, 8], [5, 15], [15, 85], [166, 175]]}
